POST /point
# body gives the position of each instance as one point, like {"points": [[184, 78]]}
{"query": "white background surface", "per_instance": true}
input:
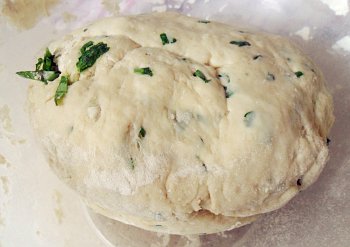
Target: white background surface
{"points": [[36, 209]]}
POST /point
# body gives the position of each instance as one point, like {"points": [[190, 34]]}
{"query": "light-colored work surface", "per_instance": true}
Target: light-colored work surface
{"points": [[36, 209]]}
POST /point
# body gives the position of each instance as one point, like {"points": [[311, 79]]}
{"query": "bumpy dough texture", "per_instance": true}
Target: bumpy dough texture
{"points": [[204, 165]]}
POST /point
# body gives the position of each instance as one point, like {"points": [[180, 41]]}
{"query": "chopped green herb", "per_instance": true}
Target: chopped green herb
{"points": [[143, 71], [240, 43], [256, 57], [85, 46], [228, 93], [61, 90], [166, 40], [299, 74], [39, 63], [40, 75], [204, 21], [270, 77], [328, 141], [45, 69], [48, 62], [89, 54], [132, 163], [224, 77], [142, 133], [200, 74], [248, 118]]}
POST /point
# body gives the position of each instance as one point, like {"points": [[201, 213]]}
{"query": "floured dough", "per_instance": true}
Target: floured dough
{"points": [[217, 148]]}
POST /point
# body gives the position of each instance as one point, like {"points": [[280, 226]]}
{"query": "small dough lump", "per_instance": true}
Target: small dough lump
{"points": [[229, 124]]}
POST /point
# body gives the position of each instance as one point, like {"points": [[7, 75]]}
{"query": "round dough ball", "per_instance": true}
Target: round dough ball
{"points": [[223, 125]]}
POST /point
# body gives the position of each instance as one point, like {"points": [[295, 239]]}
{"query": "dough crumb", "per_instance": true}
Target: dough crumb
{"points": [[5, 118], [58, 209], [5, 184]]}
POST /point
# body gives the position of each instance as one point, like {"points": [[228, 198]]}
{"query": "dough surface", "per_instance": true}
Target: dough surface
{"points": [[217, 149]]}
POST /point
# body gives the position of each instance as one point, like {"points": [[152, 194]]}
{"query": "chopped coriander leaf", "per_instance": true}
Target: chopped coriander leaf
{"points": [[299, 74], [89, 54], [166, 40], [228, 92], [200, 74], [143, 71], [224, 77], [270, 77], [248, 118], [256, 57], [204, 21], [40, 75], [240, 43], [61, 90], [142, 133]]}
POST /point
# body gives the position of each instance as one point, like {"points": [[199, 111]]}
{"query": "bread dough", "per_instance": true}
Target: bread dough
{"points": [[218, 150]]}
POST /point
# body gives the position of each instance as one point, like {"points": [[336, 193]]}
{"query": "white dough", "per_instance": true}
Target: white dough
{"points": [[207, 163]]}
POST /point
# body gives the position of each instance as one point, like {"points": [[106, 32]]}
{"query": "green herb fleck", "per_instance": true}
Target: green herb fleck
{"points": [[40, 75], [85, 46], [61, 90], [132, 163], [166, 40], [200, 74], [48, 62], [248, 118], [270, 77], [225, 77], [142, 133], [228, 93], [256, 57], [299, 74], [204, 21], [143, 71], [89, 54], [39, 63], [45, 69], [240, 43]]}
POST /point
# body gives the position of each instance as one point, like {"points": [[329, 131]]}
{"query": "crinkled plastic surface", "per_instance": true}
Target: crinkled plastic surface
{"points": [[36, 209]]}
